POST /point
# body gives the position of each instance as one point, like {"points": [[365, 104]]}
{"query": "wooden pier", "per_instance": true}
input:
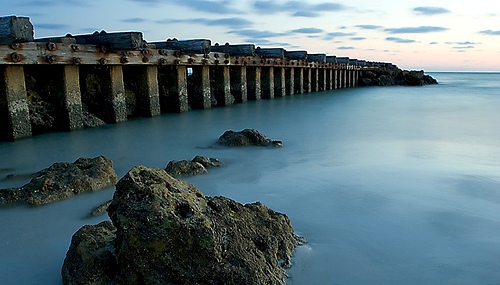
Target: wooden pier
{"points": [[116, 76]]}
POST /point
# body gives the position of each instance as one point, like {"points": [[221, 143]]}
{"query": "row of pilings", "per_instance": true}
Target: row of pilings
{"points": [[117, 76]]}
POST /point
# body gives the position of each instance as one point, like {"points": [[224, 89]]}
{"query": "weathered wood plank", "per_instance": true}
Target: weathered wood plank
{"points": [[271, 52], [236, 50], [197, 46], [342, 60], [113, 41], [316, 57], [331, 59], [296, 55], [15, 30]]}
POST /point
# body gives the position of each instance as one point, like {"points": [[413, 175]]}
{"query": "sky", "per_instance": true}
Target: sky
{"points": [[433, 35]]}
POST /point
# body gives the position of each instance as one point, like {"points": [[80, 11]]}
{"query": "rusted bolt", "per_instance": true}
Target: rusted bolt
{"points": [[162, 61], [145, 59], [236, 62], [51, 46], [191, 60], [75, 47], [216, 55], [226, 55], [51, 58], [206, 56], [15, 57], [216, 61], [226, 61], [124, 59], [145, 51], [103, 49], [15, 46], [177, 61], [205, 61], [103, 61], [77, 60], [177, 53], [163, 52]]}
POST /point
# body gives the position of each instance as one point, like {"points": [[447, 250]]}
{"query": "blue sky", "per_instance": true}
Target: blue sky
{"points": [[431, 35]]}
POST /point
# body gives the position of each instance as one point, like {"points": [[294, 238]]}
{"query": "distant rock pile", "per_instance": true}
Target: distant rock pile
{"points": [[391, 77], [165, 231], [247, 137], [63, 180], [198, 165]]}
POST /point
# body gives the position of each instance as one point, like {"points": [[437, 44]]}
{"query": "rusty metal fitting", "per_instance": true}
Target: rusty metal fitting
{"points": [[177, 53], [77, 60], [163, 52], [15, 57], [191, 60], [145, 51], [216, 55], [124, 59], [162, 61], [15, 46], [145, 59], [103, 61], [236, 62], [226, 55], [177, 61], [103, 49], [51, 46], [205, 61], [226, 61], [51, 58], [75, 47], [206, 56]]}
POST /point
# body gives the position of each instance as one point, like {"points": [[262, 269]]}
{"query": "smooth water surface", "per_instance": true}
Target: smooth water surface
{"points": [[390, 185]]}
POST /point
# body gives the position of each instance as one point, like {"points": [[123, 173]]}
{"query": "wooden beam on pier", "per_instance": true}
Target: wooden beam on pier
{"points": [[296, 55], [15, 30], [267, 79], [279, 82], [142, 82], [173, 89], [236, 50], [197, 46], [113, 41], [199, 89], [15, 123], [316, 57], [221, 85], [238, 80], [254, 83], [307, 80], [289, 81], [331, 59], [271, 52], [299, 80]]}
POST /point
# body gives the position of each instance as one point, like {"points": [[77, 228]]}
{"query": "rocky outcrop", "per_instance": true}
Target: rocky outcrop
{"points": [[247, 137], [165, 231], [391, 77], [198, 165], [63, 180]]}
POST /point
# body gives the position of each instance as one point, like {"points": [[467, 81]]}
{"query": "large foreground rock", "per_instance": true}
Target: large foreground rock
{"points": [[247, 137], [165, 231], [63, 180]]}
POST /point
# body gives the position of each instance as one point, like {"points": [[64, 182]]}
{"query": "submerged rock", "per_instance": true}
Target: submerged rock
{"points": [[165, 231], [396, 76], [63, 180], [198, 165], [247, 137]]}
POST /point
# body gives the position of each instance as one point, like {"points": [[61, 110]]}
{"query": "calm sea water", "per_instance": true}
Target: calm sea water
{"points": [[390, 185]]}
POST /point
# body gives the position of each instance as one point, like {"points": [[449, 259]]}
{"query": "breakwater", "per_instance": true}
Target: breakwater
{"points": [[78, 81]]}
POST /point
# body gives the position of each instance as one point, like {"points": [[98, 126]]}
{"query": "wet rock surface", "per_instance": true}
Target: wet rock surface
{"points": [[165, 231], [198, 165], [391, 77], [247, 137], [63, 180]]}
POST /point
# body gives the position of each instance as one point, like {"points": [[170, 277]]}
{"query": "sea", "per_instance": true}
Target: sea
{"points": [[389, 185]]}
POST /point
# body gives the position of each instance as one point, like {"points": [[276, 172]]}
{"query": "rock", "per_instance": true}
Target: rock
{"points": [[100, 210], [184, 167], [247, 137], [91, 121], [63, 180], [198, 165], [395, 76], [168, 232]]}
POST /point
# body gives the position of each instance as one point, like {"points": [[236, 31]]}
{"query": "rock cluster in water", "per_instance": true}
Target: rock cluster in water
{"points": [[198, 165], [63, 180], [165, 231], [247, 137], [391, 77]]}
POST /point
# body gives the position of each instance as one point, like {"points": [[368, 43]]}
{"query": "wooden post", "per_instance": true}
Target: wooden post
{"points": [[173, 89], [73, 97], [15, 30], [238, 80], [299, 80], [314, 80], [267, 79], [104, 92], [322, 79], [290, 80], [254, 83], [279, 82], [15, 118], [335, 79], [142, 81], [307, 80], [329, 79], [199, 93], [344, 78], [221, 85]]}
